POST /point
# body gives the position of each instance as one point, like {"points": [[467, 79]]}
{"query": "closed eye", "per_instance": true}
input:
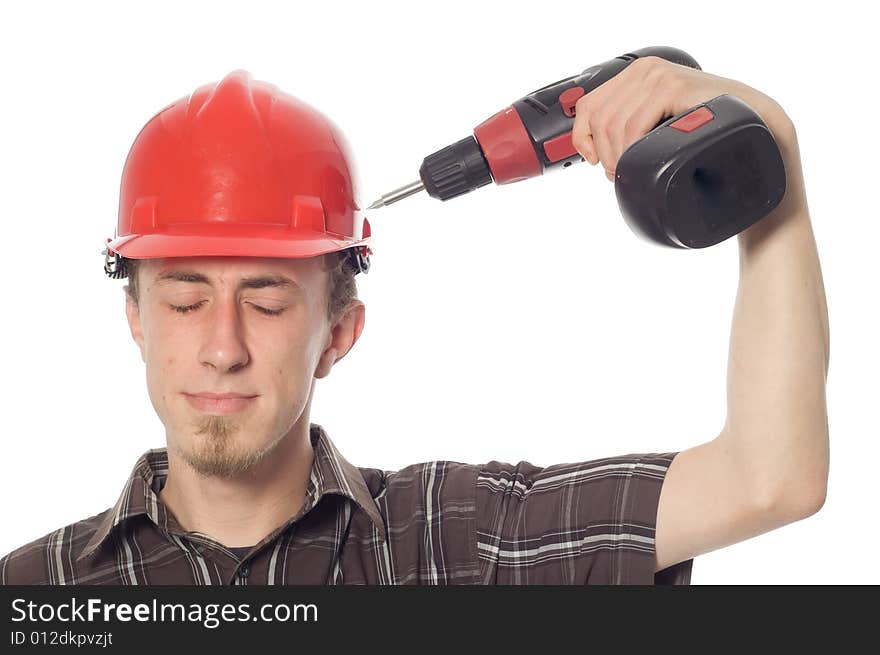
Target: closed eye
{"points": [[183, 309], [265, 310]]}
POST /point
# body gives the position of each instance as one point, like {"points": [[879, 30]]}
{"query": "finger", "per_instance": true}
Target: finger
{"points": [[617, 122], [620, 129], [647, 110], [607, 124], [601, 138], [621, 121], [581, 138], [601, 116]]}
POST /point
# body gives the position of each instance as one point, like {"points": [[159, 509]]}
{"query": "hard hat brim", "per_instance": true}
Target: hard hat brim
{"points": [[149, 246]]}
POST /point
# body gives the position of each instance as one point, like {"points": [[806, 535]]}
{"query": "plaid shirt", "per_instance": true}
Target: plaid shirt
{"points": [[434, 523]]}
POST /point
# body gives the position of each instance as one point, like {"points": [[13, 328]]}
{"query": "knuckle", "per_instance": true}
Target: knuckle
{"points": [[649, 64], [673, 85], [617, 123], [658, 69], [582, 108], [630, 129], [669, 76], [581, 143], [599, 121]]}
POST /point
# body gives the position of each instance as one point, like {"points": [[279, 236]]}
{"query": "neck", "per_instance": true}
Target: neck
{"points": [[243, 510]]}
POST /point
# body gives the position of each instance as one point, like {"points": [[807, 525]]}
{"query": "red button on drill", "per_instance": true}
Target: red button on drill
{"points": [[568, 98], [692, 121], [559, 147]]}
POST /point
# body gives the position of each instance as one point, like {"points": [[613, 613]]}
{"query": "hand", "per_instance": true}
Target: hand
{"points": [[616, 114]]}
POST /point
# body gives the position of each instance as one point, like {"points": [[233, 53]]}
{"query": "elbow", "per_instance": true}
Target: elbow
{"points": [[808, 503], [794, 503], [798, 489], [807, 493]]}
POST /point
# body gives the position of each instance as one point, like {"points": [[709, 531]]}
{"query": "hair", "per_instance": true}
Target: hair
{"points": [[341, 285]]}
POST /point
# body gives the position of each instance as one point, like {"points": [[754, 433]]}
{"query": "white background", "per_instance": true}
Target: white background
{"points": [[517, 322]]}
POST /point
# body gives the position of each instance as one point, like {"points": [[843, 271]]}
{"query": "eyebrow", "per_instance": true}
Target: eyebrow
{"points": [[258, 282]]}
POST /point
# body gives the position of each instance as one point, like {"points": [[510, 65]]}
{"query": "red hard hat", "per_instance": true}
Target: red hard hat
{"points": [[238, 168]]}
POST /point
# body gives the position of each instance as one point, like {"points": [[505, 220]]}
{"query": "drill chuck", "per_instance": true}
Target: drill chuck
{"points": [[455, 170]]}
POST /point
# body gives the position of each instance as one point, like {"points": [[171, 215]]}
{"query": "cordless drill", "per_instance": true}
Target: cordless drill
{"points": [[694, 180]]}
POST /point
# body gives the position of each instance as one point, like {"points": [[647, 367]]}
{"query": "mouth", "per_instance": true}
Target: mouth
{"points": [[219, 403]]}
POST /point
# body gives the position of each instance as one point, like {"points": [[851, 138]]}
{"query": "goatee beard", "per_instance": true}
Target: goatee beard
{"points": [[216, 454]]}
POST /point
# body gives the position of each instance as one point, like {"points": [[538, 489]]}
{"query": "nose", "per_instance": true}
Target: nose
{"points": [[223, 346]]}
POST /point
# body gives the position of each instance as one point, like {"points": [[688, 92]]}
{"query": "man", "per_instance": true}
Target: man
{"points": [[240, 236]]}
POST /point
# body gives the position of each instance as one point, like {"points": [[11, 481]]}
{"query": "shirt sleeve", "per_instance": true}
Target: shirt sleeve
{"points": [[587, 522]]}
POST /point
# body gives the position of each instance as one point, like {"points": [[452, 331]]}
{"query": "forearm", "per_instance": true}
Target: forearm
{"points": [[777, 425]]}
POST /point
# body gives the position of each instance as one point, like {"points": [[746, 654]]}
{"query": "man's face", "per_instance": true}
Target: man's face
{"points": [[244, 325]]}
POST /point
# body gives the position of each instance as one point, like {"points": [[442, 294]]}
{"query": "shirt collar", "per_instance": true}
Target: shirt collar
{"points": [[331, 474]]}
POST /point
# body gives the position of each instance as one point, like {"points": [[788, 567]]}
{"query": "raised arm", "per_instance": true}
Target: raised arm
{"points": [[769, 465]]}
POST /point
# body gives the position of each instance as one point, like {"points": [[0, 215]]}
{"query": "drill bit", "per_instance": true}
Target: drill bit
{"points": [[398, 194]]}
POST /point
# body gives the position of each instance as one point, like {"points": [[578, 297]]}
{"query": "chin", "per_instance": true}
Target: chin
{"points": [[217, 446]]}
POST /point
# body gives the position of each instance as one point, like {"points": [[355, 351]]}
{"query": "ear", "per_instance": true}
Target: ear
{"points": [[132, 313], [343, 336]]}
